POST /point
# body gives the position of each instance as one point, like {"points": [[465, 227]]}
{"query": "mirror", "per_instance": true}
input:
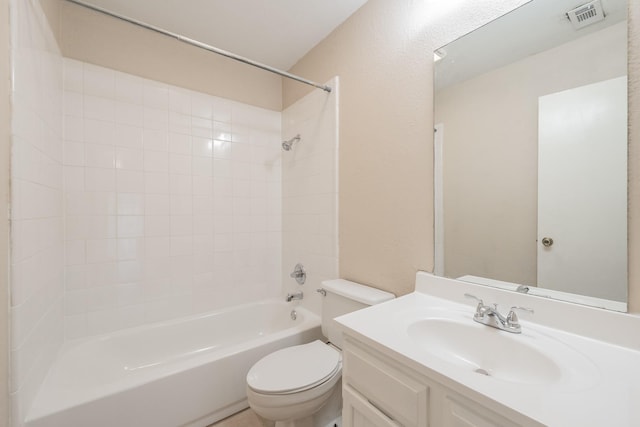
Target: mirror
{"points": [[531, 152]]}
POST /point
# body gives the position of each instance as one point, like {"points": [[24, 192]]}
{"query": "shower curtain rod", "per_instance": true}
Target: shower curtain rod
{"points": [[203, 45]]}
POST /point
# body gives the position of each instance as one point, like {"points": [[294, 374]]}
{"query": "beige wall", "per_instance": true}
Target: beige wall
{"points": [[491, 150], [385, 148], [98, 39], [386, 208], [5, 155]]}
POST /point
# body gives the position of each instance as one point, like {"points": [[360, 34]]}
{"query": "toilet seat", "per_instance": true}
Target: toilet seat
{"points": [[295, 369]]}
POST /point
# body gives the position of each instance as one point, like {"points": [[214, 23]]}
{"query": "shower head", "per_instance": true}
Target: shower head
{"points": [[287, 145]]}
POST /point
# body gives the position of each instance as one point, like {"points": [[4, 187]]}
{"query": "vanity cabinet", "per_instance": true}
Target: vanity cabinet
{"points": [[379, 391]]}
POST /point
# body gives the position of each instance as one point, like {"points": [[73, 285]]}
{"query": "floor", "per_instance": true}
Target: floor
{"points": [[246, 418]]}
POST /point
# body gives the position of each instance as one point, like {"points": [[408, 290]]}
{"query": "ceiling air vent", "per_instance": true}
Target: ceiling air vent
{"points": [[587, 14]]}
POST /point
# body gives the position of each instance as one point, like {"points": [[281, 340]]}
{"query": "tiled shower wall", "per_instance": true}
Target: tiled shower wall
{"points": [[310, 192], [172, 201], [37, 249]]}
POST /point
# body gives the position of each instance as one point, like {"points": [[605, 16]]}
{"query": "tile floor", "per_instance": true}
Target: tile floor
{"points": [[246, 418]]}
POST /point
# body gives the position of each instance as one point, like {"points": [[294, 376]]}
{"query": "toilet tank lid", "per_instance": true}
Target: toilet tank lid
{"points": [[357, 292]]}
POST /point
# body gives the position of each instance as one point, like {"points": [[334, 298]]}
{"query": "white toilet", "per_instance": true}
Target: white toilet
{"points": [[300, 386]]}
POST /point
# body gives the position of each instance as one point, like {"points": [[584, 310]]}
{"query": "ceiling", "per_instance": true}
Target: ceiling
{"points": [[275, 32], [532, 28]]}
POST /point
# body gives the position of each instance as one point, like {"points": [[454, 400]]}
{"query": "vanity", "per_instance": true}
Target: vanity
{"points": [[421, 360]]}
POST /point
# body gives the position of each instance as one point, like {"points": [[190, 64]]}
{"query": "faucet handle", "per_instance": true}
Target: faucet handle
{"points": [[512, 317], [475, 298], [479, 308]]}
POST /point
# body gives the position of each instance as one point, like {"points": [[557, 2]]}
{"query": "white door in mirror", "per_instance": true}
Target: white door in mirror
{"points": [[582, 190]]}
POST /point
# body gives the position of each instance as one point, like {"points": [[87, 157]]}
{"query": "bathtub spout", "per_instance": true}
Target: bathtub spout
{"points": [[297, 295]]}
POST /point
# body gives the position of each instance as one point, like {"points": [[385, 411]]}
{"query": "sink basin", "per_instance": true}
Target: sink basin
{"points": [[486, 351]]}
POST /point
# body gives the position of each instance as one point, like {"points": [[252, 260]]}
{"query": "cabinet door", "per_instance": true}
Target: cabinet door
{"points": [[461, 412], [359, 412]]}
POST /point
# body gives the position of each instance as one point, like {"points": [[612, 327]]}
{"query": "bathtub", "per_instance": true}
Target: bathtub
{"points": [[185, 372]]}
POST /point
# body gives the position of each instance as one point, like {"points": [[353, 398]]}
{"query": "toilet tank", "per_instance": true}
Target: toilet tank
{"points": [[342, 297]]}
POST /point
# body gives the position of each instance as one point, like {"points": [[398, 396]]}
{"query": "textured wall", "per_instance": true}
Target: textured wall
{"points": [[98, 39], [382, 55]]}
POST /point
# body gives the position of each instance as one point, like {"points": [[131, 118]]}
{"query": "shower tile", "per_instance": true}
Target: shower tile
{"points": [[129, 114], [73, 104], [97, 179], [156, 183], [96, 107], [156, 161], [179, 100], [74, 178], [179, 143], [131, 249], [129, 159], [156, 95], [180, 184], [131, 204], [202, 186], [157, 204], [101, 250], [181, 205], [129, 89], [179, 123], [181, 225], [74, 154], [150, 199], [156, 119], [201, 106], [99, 131], [202, 146], [156, 140], [157, 225], [99, 156], [131, 226], [202, 166], [180, 164], [99, 81], [73, 75], [128, 136], [157, 247]]}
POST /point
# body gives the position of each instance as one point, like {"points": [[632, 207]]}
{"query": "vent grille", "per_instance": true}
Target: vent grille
{"points": [[587, 14]]}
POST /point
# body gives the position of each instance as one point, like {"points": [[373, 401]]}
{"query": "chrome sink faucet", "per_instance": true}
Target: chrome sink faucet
{"points": [[488, 315]]}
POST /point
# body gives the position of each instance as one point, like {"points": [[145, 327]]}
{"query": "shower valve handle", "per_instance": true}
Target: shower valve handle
{"points": [[299, 274]]}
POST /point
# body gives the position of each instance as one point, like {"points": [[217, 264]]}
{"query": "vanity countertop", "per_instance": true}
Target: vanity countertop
{"points": [[599, 384]]}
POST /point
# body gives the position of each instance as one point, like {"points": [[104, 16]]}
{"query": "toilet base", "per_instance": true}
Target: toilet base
{"points": [[328, 415]]}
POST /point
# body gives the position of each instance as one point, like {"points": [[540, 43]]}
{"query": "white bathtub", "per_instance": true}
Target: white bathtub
{"points": [[186, 372]]}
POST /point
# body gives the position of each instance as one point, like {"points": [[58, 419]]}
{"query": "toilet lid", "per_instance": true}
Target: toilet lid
{"points": [[294, 368]]}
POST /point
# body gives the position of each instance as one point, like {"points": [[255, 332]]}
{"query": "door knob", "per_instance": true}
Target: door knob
{"points": [[547, 242]]}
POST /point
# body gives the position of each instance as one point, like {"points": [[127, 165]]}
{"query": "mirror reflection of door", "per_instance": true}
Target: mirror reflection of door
{"points": [[582, 190]]}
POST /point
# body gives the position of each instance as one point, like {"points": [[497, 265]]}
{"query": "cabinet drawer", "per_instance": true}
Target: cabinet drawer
{"points": [[462, 412], [390, 389], [359, 412]]}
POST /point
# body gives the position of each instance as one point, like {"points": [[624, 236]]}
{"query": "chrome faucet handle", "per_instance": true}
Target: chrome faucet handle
{"points": [[475, 298], [479, 308], [512, 317]]}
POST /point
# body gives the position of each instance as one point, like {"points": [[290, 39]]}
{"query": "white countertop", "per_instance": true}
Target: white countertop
{"points": [[608, 394]]}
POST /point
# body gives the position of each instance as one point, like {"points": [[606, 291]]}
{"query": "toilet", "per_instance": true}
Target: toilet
{"points": [[300, 386]]}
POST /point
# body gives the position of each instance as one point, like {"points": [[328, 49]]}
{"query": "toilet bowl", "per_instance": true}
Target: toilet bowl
{"points": [[300, 386], [297, 386]]}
